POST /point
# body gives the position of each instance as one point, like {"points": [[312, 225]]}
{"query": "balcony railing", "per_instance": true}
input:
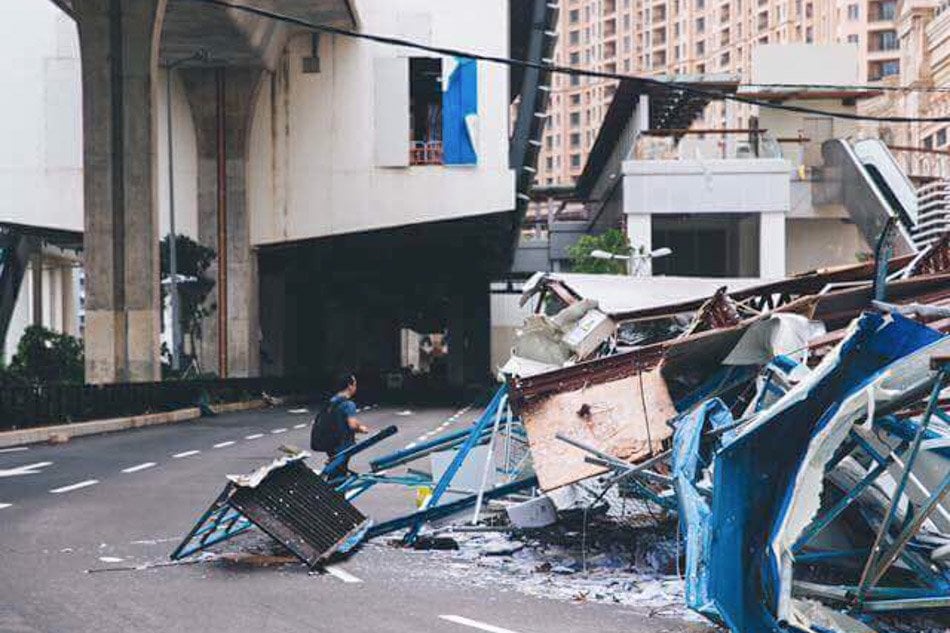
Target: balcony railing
{"points": [[425, 153]]}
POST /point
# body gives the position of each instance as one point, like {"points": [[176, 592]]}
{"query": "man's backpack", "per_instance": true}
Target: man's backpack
{"points": [[325, 429]]}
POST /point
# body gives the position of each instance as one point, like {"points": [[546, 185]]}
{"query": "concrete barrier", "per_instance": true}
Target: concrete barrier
{"points": [[62, 432]]}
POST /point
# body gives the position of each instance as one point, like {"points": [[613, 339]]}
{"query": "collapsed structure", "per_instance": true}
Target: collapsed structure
{"points": [[797, 429]]}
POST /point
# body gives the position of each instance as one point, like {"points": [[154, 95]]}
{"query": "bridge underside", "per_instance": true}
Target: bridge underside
{"points": [[340, 303]]}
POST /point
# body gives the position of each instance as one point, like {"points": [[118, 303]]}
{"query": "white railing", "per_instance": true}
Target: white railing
{"points": [[933, 219]]}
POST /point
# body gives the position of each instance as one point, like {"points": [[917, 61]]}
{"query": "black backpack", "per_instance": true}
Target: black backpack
{"points": [[324, 433]]}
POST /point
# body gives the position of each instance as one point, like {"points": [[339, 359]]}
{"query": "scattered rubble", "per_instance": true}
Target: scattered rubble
{"points": [[774, 458]]}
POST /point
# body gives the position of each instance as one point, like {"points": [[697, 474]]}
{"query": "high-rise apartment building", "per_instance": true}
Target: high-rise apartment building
{"points": [[691, 37]]}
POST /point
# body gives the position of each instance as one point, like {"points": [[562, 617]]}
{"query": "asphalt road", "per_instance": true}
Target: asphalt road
{"points": [[127, 498]]}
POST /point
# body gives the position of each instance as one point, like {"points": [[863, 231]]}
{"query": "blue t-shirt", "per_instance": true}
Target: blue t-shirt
{"points": [[343, 410]]}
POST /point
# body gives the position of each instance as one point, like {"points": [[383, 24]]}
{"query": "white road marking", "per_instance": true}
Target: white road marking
{"points": [[276, 431], [300, 426], [256, 436], [185, 454], [135, 469], [343, 575], [298, 411], [76, 486], [5, 505], [224, 444], [111, 559], [475, 624], [29, 469], [15, 449], [411, 445]]}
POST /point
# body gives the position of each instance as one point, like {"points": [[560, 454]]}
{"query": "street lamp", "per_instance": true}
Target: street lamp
{"points": [[637, 259], [172, 235]]}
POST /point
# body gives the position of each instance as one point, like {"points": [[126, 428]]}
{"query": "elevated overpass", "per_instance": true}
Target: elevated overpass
{"points": [[307, 179]]}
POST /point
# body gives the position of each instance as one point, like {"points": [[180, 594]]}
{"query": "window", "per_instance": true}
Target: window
{"points": [[575, 99], [854, 12], [575, 119], [575, 58], [888, 41], [425, 110], [929, 142], [890, 68], [809, 35], [549, 163], [941, 137], [700, 25], [574, 37], [574, 16], [700, 47], [575, 80], [575, 140], [853, 39], [724, 59], [575, 161]]}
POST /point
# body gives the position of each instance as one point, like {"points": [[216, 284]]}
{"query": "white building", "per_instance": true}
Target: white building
{"points": [[364, 188]]}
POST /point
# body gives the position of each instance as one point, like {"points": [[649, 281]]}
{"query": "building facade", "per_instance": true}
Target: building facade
{"points": [[692, 37]]}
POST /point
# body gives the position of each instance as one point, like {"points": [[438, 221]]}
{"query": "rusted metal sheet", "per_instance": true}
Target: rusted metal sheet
{"points": [[624, 416]]}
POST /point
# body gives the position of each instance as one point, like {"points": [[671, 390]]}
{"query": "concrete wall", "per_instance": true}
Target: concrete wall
{"points": [[506, 317], [818, 243], [41, 126], [312, 169], [707, 186], [185, 159]]}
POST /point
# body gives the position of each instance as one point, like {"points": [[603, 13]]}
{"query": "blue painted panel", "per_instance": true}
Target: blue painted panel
{"points": [[459, 101], [753, 472]]}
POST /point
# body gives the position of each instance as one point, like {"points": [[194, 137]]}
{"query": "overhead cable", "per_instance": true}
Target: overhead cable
{"points": [[673, 86]]}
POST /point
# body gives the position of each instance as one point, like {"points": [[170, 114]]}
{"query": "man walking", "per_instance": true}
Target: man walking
{"points": [[336, 426]]}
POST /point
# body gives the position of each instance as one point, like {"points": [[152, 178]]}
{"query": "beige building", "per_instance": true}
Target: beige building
{"points": [[691, 37]]}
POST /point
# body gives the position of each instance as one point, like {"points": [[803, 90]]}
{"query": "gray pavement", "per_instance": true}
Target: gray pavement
{"points": [[48, 541]]}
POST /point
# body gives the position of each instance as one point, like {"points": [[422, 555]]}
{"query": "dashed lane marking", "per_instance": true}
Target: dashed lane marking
{"points": [[224, 444], [76, 486], [4, 506], [276, 431], [475, 624], [300, 426], [135, 469], [19, 471], [411, 445], [256, 436], [14, 449], [342, 574], [185, 454]]}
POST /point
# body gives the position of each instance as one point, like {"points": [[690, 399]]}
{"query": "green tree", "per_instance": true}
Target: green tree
{"points": [[193, 261], [45, 357], [612, 241]]}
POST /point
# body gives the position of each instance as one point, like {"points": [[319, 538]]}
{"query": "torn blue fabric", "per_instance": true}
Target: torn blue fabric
{"points": [[690, 457], [459, 107], [753, 471]]}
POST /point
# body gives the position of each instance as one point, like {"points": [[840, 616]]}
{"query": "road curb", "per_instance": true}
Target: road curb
{"points": [[96, 427]]}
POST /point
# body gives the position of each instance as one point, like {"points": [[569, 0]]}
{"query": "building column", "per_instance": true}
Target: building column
{"points": [[772, 245], [222, 101], [640, 234], [469, 321], [119, 42], [36, 279]]}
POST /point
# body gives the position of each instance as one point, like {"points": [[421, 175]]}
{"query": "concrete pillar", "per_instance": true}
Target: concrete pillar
{"points": [[640, 233], [469, 322], [222, 101], [119, 42], [36, 287], [772, 245]]}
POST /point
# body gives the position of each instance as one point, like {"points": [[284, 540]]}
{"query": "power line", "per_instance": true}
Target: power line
{"points": [[673, 86]]}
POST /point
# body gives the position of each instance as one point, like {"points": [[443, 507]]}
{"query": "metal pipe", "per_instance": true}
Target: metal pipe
{"points": [[172, 235], [222, 160]]}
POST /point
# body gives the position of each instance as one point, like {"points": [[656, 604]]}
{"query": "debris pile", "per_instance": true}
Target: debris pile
{"points": [[785, 446]]}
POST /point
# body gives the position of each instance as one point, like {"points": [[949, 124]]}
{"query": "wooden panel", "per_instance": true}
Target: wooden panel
{"points": [[625, 418]]}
